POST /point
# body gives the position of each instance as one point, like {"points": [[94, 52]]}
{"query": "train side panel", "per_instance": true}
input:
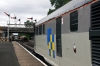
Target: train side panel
{"points": [[42, 44], [80, 38]]}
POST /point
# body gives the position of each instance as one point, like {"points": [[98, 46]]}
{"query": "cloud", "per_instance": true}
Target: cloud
{"points": [[24, 9]]}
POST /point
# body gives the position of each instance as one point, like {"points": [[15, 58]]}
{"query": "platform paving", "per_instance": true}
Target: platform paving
{"points": [[7, 55], [12, 54], [24, 58]]}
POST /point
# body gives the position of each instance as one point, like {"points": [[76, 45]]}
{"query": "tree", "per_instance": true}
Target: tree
{"points": [[28, 24], [57, 4], [50, 11]]}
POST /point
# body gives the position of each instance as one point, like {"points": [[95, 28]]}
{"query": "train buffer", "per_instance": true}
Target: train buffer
{"points": [[12, 54]]}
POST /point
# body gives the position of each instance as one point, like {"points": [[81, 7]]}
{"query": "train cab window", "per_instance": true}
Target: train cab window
{"points": [[74, 21], [43, 28]]}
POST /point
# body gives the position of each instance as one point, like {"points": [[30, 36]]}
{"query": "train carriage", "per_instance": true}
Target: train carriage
{"points": [[70, 36]]}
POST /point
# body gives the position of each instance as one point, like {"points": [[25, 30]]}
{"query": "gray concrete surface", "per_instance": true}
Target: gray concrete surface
{"points": [[7, 55]]}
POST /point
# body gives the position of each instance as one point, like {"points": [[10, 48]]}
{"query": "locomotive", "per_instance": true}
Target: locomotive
{"points": [[70, 36]]}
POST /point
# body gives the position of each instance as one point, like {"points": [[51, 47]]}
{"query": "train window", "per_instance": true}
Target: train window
{"points": [[43, 28], [40, 29], [36, 30], [74, 21]]}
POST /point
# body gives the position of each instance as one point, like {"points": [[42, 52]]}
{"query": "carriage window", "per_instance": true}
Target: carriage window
{"points": [[43, 28], [74, 21]]}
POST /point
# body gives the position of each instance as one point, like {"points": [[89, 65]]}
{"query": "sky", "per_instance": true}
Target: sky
{"points": [[23, 9]]}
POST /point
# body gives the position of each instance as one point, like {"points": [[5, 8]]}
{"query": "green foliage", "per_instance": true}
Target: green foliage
{"points": [[28, 24], [26, 34], [57, 4], [52, 2], [50, 11]]}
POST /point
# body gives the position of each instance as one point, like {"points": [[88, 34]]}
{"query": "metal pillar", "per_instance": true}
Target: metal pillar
{"points": [[8, 28]]}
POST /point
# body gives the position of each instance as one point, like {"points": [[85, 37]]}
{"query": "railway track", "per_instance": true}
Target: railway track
{"points": [[29, 46]]}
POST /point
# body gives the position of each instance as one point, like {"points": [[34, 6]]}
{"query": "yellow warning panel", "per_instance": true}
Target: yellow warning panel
{"points": [[53, 46], [50, 38]]}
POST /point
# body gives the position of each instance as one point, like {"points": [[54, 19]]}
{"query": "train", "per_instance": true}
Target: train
{"points": [[70, 36]]}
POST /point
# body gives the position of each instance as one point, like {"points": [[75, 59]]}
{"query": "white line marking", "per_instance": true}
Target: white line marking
{"points": [[32, 54]]}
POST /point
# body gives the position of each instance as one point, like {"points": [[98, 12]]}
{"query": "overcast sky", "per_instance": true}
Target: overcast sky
{"points": [[23, 9]]}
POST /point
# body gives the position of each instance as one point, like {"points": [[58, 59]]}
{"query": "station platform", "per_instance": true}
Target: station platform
{"points": [[12, 54]]}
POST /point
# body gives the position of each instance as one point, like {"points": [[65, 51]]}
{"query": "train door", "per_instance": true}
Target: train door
{"points": [[58, 37], [95, 33]]}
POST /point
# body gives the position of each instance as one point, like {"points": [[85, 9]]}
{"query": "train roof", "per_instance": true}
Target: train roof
{"points": [[67, 7]]}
